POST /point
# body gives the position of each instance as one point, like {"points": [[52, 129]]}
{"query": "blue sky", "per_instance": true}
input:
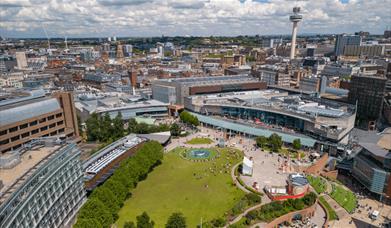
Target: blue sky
{"points": [[86, 18]]}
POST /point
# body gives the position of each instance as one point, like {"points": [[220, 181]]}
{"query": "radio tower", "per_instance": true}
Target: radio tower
{"points": [[295, 18]]}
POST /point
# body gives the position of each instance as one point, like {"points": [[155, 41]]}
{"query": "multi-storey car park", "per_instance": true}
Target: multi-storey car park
{"points": [[292, 116], [41, 184]]}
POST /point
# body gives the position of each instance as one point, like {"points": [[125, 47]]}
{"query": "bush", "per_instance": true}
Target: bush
{"points": [[188, 118]]}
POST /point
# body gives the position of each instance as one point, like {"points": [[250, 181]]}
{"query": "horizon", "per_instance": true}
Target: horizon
{"points": [[151, 18]]}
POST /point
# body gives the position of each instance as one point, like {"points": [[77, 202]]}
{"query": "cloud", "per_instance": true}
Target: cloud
{"points": [[86, 18]]}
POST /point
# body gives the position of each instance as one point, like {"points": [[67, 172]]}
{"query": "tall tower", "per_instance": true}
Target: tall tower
{"points": [[295, 18]]}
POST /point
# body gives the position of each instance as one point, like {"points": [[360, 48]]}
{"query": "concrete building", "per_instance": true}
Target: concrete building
{"points": [[36, 115], [43, 184], [367, 91], [173, 91], [21, 60], [272, 75], [314, 84], [312, 119], [343, 40], [365, 50]]}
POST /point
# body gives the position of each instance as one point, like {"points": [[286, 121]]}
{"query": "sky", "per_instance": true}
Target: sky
{"points": [[141, 18]]}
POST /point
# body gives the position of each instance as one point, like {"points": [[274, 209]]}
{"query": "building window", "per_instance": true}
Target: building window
{"points": [[13, 139], [58, 115], [3, 132], [33, 132], [23, 126], [5, 141], [61, 130], [44, 128], [33, 123], [50, 117], [42, 120], [24, 135], [13, 129], [52, 125], [60, 122]]}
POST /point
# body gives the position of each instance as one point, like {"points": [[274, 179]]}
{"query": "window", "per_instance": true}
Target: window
{"points": [[13, 129], [13, 139], [52, 125], [50, 117], [60, 122], [33, 123], [58, 115], [3, 132], [42, 120], [44, 128], [5, 141], [23, 126], [24, 135], [61, 130], [33, 132]]}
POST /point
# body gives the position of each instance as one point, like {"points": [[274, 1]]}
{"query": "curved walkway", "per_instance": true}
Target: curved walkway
{"points": [[235, 180]]}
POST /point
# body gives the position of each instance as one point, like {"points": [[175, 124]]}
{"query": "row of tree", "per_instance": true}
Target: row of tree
{"points": [[102, 206], [274, 141], [176, 220], [144, 128], [188, 118]]}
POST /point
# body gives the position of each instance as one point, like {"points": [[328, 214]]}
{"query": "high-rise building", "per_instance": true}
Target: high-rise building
{"points": [[21, 60], [344, 40], [368, 92], [41, 184], [295, 18]]}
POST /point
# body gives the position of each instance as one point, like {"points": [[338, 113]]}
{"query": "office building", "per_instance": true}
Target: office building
{"points": [[42, 184], [35, 115], [364, 50], [173, 91], [367, 91], [272, 75], [21, 60], [343, 40]]}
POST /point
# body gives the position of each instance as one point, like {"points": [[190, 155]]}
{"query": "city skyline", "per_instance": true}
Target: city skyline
{"points": [[140, 18]]}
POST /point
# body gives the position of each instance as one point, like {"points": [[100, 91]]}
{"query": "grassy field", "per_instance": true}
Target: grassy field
{"points": [[317, 183], [197, 189], [344, 197], [198, 140], [330, 210]]}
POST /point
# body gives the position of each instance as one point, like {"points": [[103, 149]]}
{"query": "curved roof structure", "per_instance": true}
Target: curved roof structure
{"points": [[19, 113]]}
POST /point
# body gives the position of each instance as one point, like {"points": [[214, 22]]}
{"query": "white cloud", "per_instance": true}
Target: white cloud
{"points": [[181, 17]]}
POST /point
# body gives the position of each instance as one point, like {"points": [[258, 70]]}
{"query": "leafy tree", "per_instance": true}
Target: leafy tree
{"points": [[261, 141], [175, 129], [132, 125], [188, 118], [118, 126], [87, 223], [275, 142], [296, 144], [93, 127], [143, 221], [104, 194], [106, 127], [176, 220], [129, 225], [95, 209]]}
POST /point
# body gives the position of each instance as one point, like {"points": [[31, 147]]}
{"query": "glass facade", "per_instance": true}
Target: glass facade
{"points": [[50, 196]]}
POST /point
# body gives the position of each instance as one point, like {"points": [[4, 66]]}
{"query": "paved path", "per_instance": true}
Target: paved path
{"points": [[235, 180], [341, 212], [243, 214]]}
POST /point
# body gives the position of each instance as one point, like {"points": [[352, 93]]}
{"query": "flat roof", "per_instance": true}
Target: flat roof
{"points": [[20, 173]]}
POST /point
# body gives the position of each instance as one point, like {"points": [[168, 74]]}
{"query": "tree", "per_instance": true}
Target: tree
{"points": [[143, 221], [106, 128], [95, 209], [175, 129], [296, 144], [132, 125], [261, 141], [188, 118], [176, 220], [275, 141], [117, 126], [87, 223], [93, 127], [129, 225]]}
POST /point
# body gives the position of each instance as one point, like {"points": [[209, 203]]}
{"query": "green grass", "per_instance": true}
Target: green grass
{"points": [[345, 198], [195, 141], [197, 189], [317, 183], [332, 214]]}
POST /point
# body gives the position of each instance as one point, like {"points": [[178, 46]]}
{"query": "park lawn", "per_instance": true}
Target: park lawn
{"points": [[345, 198], [330, 210], [198, 140], [317, 183], [179, 185]]}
